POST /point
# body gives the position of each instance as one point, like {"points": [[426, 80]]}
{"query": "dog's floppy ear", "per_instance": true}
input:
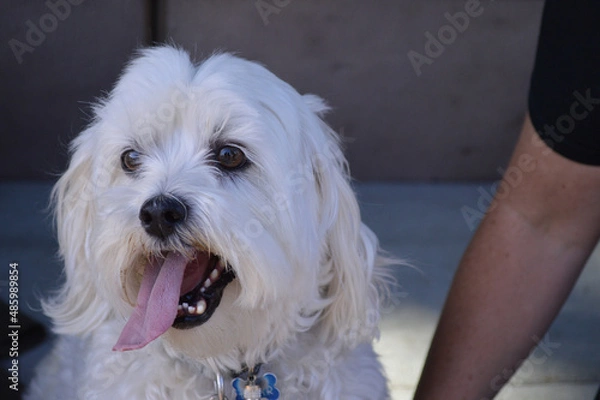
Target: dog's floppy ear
{"points": [[76, 308], [351, 252]]}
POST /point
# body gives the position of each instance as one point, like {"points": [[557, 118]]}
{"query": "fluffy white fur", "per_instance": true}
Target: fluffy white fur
{"points": [[306, 297]]}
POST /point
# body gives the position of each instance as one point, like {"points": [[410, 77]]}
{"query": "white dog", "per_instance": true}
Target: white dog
{"points": [[213, 246]]}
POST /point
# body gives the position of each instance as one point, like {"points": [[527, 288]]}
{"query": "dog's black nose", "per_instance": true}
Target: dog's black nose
{"points": [[161, 214]]}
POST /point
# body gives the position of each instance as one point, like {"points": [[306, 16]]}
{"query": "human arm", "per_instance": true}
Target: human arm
{"points": [[515, 275]]}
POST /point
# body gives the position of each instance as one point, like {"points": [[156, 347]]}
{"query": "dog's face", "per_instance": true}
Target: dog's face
{"points": [[209, 207]]}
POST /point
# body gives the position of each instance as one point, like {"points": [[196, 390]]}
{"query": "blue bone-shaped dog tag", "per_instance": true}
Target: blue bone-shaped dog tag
{"points": [[266, 385]]}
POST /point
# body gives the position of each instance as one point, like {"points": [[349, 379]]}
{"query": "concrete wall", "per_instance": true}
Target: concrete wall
{"points": [[455, 116], [50, 73]]}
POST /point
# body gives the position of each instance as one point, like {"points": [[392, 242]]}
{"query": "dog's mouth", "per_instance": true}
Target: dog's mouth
{"points": [[175, 292], [201, 291]]}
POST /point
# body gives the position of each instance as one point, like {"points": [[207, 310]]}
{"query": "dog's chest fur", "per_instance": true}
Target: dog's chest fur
{"points": [[87, 369]]}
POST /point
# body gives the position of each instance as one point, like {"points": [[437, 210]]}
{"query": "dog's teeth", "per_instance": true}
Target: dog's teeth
{"points": [[202, 289], [207, 283], [179, 307], [191, 309], [201, 307], [214, 274], [184, 305]]}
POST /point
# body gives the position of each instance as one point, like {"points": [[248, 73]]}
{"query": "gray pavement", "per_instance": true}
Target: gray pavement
{"points": [[421, 223]]}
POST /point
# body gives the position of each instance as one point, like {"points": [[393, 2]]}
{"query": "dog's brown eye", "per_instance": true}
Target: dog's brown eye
{"points": [[231, 157], [130, 160]]}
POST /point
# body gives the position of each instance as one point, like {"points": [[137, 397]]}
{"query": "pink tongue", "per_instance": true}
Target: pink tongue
{"points": [[157, 301]]}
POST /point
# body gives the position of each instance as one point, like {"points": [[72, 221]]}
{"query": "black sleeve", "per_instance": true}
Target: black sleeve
{"points": [[564, 96]]}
